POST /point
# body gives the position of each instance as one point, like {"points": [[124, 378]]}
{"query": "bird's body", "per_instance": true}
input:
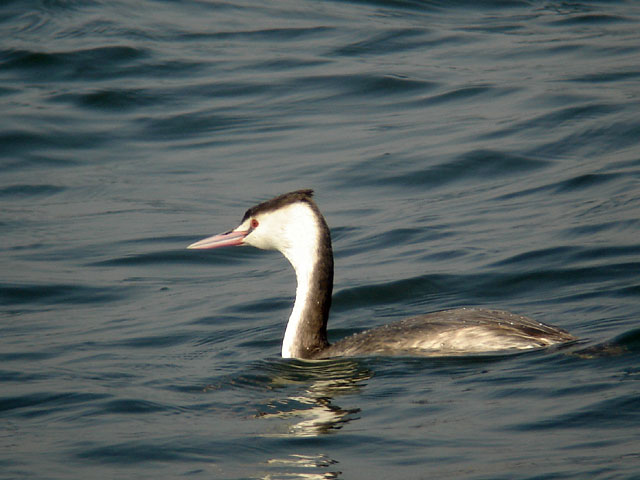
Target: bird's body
{"points": [[292, 224]]}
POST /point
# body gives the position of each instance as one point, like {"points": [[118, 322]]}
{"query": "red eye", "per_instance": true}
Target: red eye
{"points": [[254, 223]]}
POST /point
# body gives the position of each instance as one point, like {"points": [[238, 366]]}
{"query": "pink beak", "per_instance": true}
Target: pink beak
{"points": [[227, 239]]}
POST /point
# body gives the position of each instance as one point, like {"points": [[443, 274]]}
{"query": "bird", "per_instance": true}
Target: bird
{"points": [[293, 225]]}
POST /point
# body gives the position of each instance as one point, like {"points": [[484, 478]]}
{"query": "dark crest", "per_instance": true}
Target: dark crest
{"points": [[280, 201]]}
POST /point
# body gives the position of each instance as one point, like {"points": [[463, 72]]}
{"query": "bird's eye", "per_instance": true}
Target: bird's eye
{"points": [[254, 223]]}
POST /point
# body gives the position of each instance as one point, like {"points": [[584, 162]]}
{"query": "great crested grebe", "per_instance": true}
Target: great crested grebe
{"points": [[293, 225]]}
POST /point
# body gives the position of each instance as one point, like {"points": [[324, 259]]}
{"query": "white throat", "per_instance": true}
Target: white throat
{"points": [[302, 253], [294, 331]]}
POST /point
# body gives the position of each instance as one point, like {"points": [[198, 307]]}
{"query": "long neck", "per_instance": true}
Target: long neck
{"points": [[306, 332]]}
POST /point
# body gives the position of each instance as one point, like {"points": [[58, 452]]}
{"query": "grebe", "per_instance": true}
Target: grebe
{"points": [[293, 225]]}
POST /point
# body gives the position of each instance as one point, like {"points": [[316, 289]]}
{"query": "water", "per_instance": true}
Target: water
{"points": [[464, 153]]}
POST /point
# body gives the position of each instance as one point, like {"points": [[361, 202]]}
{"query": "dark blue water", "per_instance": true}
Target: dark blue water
{"points": [[464, 153]]}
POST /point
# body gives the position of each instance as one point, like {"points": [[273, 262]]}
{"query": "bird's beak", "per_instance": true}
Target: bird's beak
{"points": [[228, 239]]}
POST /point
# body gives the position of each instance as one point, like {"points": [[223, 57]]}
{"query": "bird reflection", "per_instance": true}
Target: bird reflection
{"points": [[303, 461], [312, 411]]}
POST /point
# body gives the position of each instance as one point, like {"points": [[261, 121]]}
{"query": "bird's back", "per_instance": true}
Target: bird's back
{"points": [[450, 332]]}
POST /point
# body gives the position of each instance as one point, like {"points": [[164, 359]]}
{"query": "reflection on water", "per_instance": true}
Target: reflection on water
{"points": [[295, 461], [312, 411], [314, 416], [628, 342]]}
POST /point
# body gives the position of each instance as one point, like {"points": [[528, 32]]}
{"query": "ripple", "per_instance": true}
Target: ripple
{"points": [[153, 341], [142, 452], [589, 19], [97, 62], [610, 413], [389, 292], [285, 33], [152, 258], [481, 163], [556, 119], [117, 100], [463, 94], [613, 226], [25, 142], [392, 41], [18, 192], [28, 161], [366, 84], [540, 258], [130, 406], [566, 255], [196, 123], [606, 77], [585, 181], [14, 294], [569, 186], [39, 404]]}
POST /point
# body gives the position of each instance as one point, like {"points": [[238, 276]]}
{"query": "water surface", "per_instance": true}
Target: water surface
{"points": [[464, 153]]}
